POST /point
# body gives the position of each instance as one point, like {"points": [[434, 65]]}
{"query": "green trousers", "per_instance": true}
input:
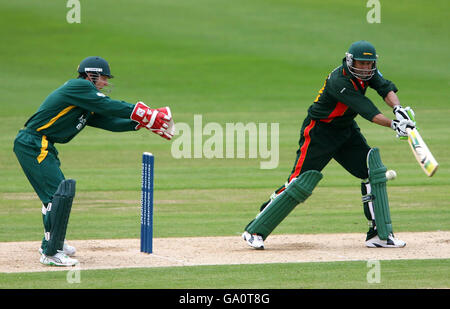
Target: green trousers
{"points": [[39, 161], [320, 142]]}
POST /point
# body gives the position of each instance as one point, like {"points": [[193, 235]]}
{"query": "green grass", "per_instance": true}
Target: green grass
{"points": [[259, 61], [218, 212], [410, 274]]}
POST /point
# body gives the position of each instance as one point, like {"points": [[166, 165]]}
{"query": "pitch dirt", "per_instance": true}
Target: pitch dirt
{"points": [[190, 251]]}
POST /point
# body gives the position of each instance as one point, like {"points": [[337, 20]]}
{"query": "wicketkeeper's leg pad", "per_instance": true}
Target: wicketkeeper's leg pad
{"points": [[295, 193], [57, 216], [378, 196]]}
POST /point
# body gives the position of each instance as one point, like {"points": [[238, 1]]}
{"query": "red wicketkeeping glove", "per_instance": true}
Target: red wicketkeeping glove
{"points": [[170, 131], [151, 119]]}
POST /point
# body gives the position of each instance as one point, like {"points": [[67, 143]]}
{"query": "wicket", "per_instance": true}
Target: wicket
{"points": [[147, 203]]}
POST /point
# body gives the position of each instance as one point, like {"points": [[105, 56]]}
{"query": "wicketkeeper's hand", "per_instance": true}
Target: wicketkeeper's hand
{"points": [[170, 130], [400, 126], [152, 119]]}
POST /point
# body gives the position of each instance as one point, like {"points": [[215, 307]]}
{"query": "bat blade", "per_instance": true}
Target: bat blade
{"points": [[422, 153]]}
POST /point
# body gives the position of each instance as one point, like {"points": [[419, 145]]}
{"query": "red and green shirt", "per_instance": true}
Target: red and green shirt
{"points": [[342, 97]]}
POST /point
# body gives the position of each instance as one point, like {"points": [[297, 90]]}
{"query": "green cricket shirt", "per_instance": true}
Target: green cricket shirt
{"points": [[342, 97], [77, 103], [62, 115]]}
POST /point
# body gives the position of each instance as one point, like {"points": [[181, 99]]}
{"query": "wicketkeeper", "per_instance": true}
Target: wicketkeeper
{"points": [[330, 132], [62, 115]]}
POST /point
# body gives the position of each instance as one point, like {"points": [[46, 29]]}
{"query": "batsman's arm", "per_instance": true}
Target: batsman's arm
{"points": [[382, 120], [400, 113], [392, 99], [384, 87], [346, 93], [399, 126]]}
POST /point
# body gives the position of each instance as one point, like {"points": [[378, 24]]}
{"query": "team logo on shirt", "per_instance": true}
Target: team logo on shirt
{"points": [[81, 122], [100, 94]]}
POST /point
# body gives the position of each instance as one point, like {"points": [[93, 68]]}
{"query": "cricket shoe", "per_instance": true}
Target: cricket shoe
{"points": [[67, 249], [59, 259], [391, 242], [254, 240]]}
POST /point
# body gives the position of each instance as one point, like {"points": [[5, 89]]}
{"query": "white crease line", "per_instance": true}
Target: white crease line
{"points": [[171, 259]]}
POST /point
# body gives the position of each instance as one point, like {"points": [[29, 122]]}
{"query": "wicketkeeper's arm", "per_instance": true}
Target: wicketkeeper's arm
{"points": [[112, 124]]}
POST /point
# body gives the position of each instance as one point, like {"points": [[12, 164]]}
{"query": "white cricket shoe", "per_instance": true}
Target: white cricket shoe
{"points": [[254, 240], [67, 249], [59, 259], [391, 242]]}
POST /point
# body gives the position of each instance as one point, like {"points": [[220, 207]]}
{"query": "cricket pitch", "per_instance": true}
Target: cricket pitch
{"points": [[194, 251]]}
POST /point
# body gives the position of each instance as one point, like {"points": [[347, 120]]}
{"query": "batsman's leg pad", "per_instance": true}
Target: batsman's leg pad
{"points": [[58, 216], [366, 191], [379, 197], [278, 209]]}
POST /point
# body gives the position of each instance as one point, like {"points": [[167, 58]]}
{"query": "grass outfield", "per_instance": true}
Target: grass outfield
{"points": [[220, 212], [409, 274], [256, 61]]}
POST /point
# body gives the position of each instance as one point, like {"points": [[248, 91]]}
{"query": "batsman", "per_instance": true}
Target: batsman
{"points": [[79, 102], [329, 131]]}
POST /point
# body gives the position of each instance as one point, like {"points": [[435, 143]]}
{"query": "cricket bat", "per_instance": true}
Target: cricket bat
{"points": [[422, 153], [420, 150]]}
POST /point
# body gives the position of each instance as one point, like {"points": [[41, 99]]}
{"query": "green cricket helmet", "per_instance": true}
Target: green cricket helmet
{"points": [[95, 65], [362, 51]]}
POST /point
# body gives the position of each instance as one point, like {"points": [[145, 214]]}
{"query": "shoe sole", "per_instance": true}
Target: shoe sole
{"points": [[372, 245], [45, 260], [59, 265], [50, 263]]}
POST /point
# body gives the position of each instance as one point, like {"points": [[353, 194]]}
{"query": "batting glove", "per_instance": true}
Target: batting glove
{"points": [[400, 126], [403, 113]]}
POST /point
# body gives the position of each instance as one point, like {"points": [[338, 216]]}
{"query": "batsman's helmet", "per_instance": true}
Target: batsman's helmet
{"points": [[96, 65], [363, 51]]}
